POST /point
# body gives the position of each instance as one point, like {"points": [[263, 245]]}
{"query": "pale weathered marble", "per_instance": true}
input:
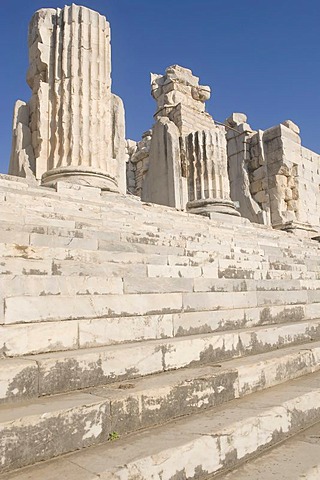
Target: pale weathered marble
{"points": [[75, 123], [138, 163], [208, 181], [275, 179], [164, 183], [155, 314], [22, 161], [238, 149], [184, 164]]}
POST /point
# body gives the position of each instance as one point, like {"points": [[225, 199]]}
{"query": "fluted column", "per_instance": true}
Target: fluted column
{"points": [[75, 119], [208, 181]]}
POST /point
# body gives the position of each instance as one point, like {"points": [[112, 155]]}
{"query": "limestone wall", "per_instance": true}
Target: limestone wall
{"points": [[280, 185], [308, 186], [138, 163]]}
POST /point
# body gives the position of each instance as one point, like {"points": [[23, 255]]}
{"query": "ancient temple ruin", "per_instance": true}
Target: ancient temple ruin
{"points": [[73, 129], [73, 126], [190, 162], [160, 299], [186, 162], [275, 179]]}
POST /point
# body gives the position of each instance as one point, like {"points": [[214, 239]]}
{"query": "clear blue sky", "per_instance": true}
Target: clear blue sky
{"points": [[259, 57]]}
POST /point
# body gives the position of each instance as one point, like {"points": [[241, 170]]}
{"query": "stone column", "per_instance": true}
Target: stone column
{"points": [[208, 181], [76, 123], [188, 166]]}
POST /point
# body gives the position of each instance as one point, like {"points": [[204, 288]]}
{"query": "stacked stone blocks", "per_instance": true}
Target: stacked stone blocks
{"points": [[105, 297]]}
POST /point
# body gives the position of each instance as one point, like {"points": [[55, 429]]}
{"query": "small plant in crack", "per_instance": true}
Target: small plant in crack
{"points": [[113, 436]]}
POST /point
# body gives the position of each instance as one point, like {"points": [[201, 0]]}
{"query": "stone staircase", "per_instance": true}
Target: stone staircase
{"points": [[195, 341]]}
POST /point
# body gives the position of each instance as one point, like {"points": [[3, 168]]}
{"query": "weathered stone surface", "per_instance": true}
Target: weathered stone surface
{"points": [[42, 430], [18, 378], [238, 137], [97, 332], [208, 181], [84, 419], [73, 127], [46, 308], [163, 183], [22, 161], [65, 468], [200, 445], [197, 446], [37, 338], [185, 291], [297, 459], [183, 163], [272, 176]]}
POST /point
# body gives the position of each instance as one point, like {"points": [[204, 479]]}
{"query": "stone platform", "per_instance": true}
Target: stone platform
{"points": [[173, 345]]}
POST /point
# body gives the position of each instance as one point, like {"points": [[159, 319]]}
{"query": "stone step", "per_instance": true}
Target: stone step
{"points": [[73, 266], [12, 216], [36, 235], [67, 422], [60, 232], [131, 256], [196, 446], [48, 336], [54, 201], [162, 262], [53, 307], [45, 227], [73, 369], [170, 263], [70, 250], [130, 205], [70, 238], [43, 285], [297, 459]]}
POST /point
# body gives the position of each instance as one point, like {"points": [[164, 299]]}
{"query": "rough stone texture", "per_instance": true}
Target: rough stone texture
{"points": [[40, 429], [73, 126], [183, 163], [156, 313], [208, 181], [238, 141], [297, 459], [273, 177], [195, 447], [22, 161], [165, 166], [43, 430], [138, 163], [118, 315]]}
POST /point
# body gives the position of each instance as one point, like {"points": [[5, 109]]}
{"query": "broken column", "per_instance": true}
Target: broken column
{"points": [[188, 153], [76, 125], [242, 186]]}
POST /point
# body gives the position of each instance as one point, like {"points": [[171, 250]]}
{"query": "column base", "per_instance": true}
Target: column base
{"points": [[299, 228], [211, 205], [85, 176]]}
